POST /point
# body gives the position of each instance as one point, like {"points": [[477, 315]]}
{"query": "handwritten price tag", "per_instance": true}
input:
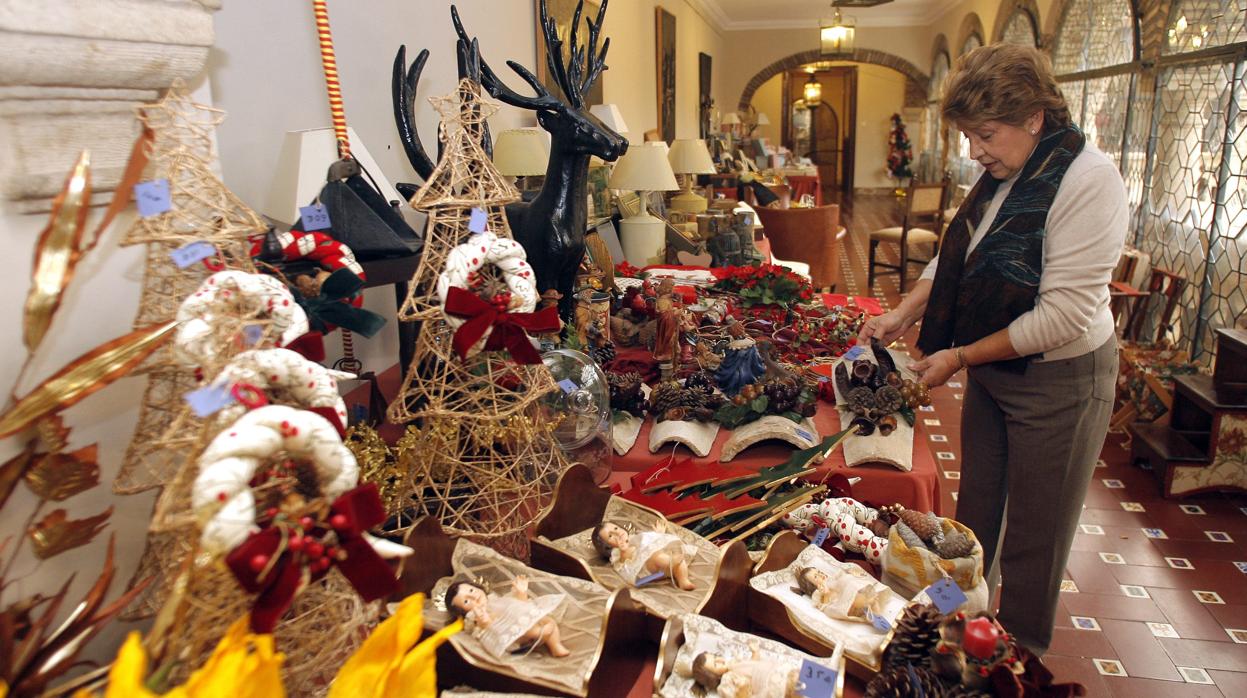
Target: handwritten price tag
{"points": [[817, 681], [209, 400], [820, 536], [152, 197], [854, 352], [192, 252], [478, 222], [568, 385], [805, 435], [946, 595], [315, 217], [251, 334], [881, 624]]}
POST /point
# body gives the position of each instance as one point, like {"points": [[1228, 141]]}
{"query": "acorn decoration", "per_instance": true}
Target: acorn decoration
{"points": [[917, 633], [905, 682]]}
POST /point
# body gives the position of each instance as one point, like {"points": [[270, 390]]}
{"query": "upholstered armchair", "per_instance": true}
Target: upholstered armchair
{"points": [[808, 235]]}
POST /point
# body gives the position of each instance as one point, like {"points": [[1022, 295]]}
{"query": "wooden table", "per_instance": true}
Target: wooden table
{"points": [[398, 272]]}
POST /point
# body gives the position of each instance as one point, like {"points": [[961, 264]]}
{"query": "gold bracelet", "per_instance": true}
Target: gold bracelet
{"points": [[961, 357]]}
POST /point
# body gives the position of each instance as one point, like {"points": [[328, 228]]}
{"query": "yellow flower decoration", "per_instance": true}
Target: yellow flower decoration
{"points": [[390, 663], [243, 665]]}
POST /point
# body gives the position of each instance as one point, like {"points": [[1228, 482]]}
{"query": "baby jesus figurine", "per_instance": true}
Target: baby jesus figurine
{"points": [[507, 623], [645, 554], [755, 677], [847, 594]]}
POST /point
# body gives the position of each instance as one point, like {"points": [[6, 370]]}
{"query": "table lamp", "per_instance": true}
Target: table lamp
{"points": [[730, 120], [689, 157], [644, 168], [610, 116], [521, 152]]}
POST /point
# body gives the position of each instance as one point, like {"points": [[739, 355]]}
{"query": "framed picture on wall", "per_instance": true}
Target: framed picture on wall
{"points": [[562, 12], [706, 102], [664, 35]]}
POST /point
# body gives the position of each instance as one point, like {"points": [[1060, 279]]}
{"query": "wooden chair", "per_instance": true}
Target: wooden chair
{"points": [[806, 235], [1169, 286], [922, 200]]}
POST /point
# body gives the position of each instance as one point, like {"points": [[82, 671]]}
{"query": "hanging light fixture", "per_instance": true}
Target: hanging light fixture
{"points": [[837, 37], [813, 91]]}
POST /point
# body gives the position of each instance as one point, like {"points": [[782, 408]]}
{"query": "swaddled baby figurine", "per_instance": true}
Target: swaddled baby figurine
{"points": [[849, 593], [646, 554], [507, 623], [745, 678]]}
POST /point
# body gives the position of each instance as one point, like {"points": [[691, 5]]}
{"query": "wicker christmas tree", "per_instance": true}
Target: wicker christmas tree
{"points": [[489, 459]]}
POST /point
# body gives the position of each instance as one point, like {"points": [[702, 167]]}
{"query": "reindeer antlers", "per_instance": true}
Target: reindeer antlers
{"points": [[404, 94], [583, 67]]}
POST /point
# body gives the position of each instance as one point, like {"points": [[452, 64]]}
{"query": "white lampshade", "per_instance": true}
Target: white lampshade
{"points": [[690, 156], [763, 120], [521, 152], [731, 119], [643, 168], [610, 115], [304, 160]]}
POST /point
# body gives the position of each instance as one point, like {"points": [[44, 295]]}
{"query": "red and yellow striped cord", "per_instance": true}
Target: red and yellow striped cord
{"points": [[330, 63]]}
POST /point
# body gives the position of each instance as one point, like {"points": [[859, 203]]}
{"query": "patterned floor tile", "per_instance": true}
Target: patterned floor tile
{"points": [[1219, 536], [1238, 635], [1084, 623], [1134, 591], [939, 438], [1112, 559], [1162, 630], [1155, 533], [1179, 563], [1091, 529], [1195, 675], [1210, 597], [1134, 507], [1193, 509], [1109, 667]]}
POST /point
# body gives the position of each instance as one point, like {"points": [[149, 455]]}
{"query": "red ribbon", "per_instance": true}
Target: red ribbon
{"points": [[279, 582], [506, 330]]}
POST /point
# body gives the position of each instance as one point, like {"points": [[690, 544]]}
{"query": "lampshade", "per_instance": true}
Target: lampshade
{"points": [[643, 168], [521, 152], [731, 119], [690, 156], [610, 115], [837, 37], [763, 120], [299, 175]]}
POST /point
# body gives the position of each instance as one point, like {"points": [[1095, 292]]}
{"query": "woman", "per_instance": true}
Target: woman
{"points": [[1019, 296]]}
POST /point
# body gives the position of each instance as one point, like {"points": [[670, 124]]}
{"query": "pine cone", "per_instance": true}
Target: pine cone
{"points": [[955, 545], [665, 397], [963, 691], [604, 354], [889, 399], [861, 400], [702, 381], [917, 633], [927, 526], [898, 682], [909, 537]]}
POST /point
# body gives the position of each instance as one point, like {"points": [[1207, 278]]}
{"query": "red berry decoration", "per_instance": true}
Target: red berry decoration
{"points": [[338, 521], [315, 549], [307, 523], [323, 564], [296, 543], [270, 512], [258, 562]]}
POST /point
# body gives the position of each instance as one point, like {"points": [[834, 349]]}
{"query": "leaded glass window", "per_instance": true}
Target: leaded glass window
{"points": [[1200, 24], [1020, 29], [1094, 34], [929, 159]]}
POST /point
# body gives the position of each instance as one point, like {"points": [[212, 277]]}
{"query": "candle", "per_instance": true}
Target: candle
{"points": [[979, 639]]}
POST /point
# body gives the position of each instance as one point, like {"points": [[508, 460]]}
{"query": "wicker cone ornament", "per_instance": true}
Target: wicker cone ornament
{"points": [[917, 633], [905, 682], [490, 462]]}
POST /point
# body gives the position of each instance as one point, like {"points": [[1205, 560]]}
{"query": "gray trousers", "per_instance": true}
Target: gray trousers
{"points": [[1029, 444]]}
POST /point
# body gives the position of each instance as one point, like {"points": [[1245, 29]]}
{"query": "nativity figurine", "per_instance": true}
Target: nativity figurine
{"points": [[513, 623], [755, 677], [849, 593], [639, 557]]}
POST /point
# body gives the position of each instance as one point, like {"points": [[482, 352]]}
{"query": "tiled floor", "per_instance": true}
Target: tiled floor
{"points": [[1156, 599]]}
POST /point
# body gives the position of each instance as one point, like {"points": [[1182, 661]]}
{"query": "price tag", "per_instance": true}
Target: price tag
{"points": [[915, 682], [209, 400], [803, 434], [817, 681], [478, 222], [192, 252], [649, 578], [315, 217], [881, 624], [251, 334], [152, 197], [946, 595], [568, 385], [820, 536], [854, 352], [823, 379]]}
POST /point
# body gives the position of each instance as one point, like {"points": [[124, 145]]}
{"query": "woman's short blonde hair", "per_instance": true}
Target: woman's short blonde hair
{"points": [[1003, 82]]}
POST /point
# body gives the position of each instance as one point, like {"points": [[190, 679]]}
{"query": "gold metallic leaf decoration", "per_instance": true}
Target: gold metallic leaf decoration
{"points": [[57, 252], [53, 434], [12, 470], [56, 532], [87, 374], [59, 476]]}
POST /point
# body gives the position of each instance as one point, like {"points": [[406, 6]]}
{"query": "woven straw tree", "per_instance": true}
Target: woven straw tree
{"points": [[489, 459]]}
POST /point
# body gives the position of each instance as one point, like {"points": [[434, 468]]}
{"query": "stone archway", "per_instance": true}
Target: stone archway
{"points": [[915, 79]]}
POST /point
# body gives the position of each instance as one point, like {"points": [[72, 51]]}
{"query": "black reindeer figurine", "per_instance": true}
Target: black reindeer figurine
{"points": [[551, 228]]}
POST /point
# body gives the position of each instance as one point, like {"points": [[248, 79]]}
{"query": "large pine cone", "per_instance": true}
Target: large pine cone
{"points": [[888, 399], [955, 545], [664, 397], [701, 381], [624, 386], [898, 682], [963, 691], [927, 526], [604, 354], [917, 633], [861, 400]]}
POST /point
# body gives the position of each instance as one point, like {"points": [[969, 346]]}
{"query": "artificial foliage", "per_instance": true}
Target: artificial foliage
{"points": [[900, 150], [766, 284]]}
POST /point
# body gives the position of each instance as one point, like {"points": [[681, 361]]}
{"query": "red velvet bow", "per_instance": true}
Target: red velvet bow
{"points": [[506, 330], [278, 582]]}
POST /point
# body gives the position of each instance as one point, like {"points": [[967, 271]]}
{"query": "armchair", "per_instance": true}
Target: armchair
{"points": [[809, 235]]}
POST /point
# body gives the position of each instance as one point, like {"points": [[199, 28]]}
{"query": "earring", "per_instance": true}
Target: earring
{"points": [[1034, 131]]}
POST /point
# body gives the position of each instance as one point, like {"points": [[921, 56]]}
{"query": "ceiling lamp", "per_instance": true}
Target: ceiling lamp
{"points": [[837, 37], [859, 3], [813, 92]]}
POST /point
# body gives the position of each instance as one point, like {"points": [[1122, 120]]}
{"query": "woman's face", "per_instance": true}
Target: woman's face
{"points": [[1002, 149]]}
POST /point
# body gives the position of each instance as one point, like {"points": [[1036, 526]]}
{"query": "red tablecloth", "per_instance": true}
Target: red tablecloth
{"points": [[881, 484]]}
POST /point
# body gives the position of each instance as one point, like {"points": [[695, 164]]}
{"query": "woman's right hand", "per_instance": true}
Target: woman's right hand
{"points": [[886, 327]]}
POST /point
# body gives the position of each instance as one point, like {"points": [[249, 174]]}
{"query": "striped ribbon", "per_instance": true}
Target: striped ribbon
{"points": [[330, 64]]}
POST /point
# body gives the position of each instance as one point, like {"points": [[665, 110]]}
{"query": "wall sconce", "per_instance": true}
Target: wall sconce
{"points": [[837, 37]]}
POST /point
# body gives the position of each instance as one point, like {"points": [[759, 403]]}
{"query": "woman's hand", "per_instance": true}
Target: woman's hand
{"points": [[886, 327], [937, 368]]}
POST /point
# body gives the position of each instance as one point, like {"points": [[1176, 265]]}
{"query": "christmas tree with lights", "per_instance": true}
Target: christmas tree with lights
{"points": [[900, 153]]}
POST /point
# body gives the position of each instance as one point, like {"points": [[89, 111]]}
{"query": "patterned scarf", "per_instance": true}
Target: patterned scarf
{"points": [[974, 297]]}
